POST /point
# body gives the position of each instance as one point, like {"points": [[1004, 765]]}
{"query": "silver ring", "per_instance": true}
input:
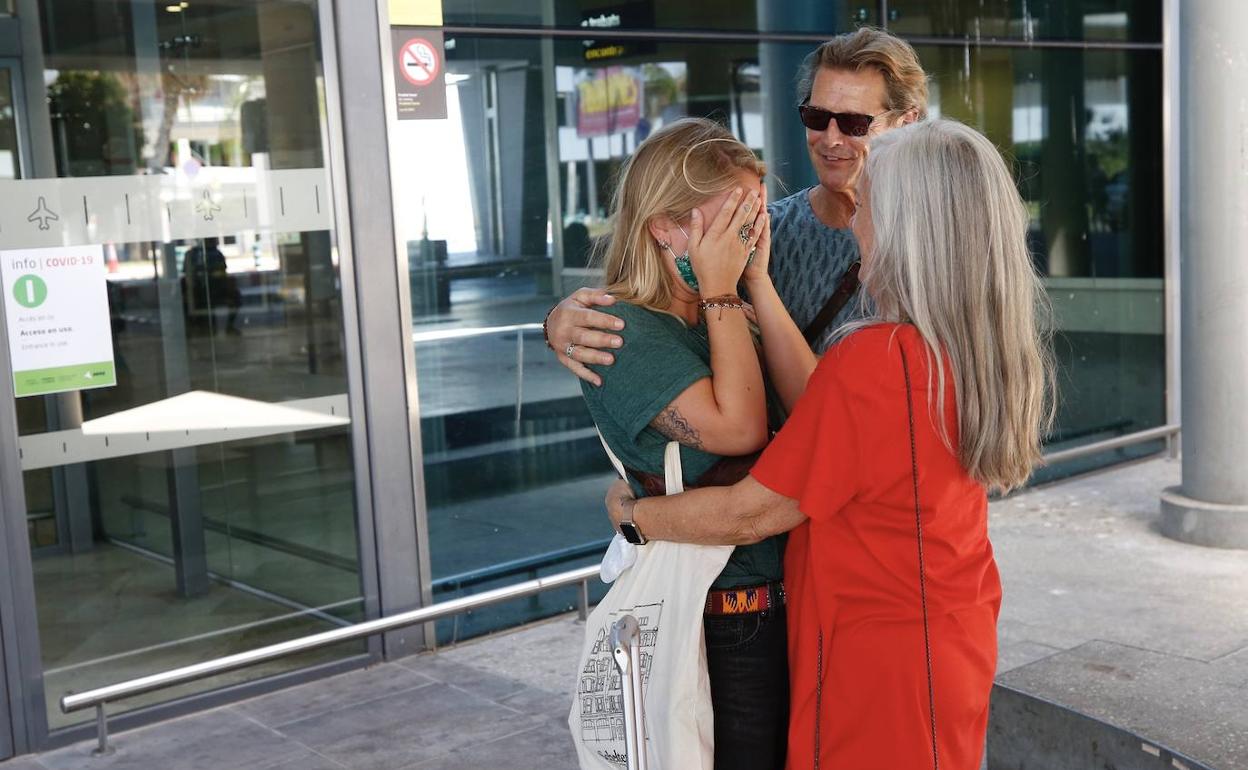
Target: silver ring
{"points": [[744, 233], [568, 350]]}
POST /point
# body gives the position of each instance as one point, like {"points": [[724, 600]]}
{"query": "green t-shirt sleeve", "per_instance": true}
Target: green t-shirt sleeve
{"points": [[651, 369]]}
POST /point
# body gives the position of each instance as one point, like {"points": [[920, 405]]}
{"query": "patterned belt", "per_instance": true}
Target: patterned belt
{"points": [[738, 601]]}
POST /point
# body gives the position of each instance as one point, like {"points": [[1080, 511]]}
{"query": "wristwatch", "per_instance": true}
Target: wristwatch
{"points": [[630, 531]]}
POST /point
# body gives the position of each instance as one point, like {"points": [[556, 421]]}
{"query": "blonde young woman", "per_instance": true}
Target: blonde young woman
{"points": [[883, 468], [689, 211]]}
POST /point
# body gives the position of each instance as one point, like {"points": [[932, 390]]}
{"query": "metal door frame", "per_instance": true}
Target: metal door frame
{"points": [[394, 566], [18, 88], [22, 680]]}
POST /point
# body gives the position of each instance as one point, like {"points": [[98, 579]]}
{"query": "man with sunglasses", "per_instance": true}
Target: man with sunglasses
{"points": [[851, 88]]}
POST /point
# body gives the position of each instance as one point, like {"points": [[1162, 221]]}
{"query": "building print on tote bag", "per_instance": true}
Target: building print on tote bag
{"points": [[602, 700]]}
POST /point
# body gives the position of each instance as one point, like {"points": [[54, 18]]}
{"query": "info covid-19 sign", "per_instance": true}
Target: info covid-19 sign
{"points": [[56, 314]]}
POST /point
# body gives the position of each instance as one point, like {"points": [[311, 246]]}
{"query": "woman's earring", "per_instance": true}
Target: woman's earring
{"points": [[683, 265], [685, 268]]}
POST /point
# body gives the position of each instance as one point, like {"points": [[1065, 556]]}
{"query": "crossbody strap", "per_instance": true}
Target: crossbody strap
{"points": [[918, 525], [840, 296]]}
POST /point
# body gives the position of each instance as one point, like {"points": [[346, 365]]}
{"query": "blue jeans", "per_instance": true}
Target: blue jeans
{"points": [[747, 659]]}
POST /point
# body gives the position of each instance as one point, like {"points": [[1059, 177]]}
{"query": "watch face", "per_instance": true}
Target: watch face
{"points": [[631, 533]]}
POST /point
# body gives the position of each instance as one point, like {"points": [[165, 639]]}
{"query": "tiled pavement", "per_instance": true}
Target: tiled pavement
{"points": [[1101, 613], [472, 706]]}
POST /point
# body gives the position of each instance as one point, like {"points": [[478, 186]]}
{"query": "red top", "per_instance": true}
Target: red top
{"points": [[857, 657]]}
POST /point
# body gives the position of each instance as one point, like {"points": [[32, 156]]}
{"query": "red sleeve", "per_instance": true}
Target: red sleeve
{"points": [[814, 457]]}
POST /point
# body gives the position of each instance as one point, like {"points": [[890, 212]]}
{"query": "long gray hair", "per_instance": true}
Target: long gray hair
{"points": [[950, 257]]}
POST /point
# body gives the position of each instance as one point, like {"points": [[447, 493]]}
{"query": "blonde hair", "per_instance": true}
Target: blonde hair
{"points": [[673, 171], [950, 257], [905, 82]]}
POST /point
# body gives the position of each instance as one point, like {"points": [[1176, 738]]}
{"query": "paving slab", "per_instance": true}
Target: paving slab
{"points": [[535, 748], [1011, 655], [308, 761], [23, 763], [215, 739], [1083, 560], [409, 727], [542, 655], [470, 679], [317, 698]]}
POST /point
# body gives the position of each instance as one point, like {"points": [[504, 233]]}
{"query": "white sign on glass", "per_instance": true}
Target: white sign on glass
{"points": [[56, 314]]}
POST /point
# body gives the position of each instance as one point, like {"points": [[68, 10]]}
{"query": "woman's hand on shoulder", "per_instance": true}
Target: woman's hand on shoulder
{"points": [[580, 335]]}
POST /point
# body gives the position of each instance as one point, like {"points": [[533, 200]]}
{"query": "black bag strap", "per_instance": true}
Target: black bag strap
{"points": [[918, 525], [840, 296]]}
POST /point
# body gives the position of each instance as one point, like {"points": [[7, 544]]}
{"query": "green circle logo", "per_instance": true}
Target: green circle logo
{"points": [[30, 291]]}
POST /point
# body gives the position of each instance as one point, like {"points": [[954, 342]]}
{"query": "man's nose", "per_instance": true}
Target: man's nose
{"points": [[832, 134]]}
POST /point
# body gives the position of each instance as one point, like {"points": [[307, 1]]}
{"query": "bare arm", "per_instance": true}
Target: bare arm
{"points": [[574, 322], [790, 361], [744, 513]]}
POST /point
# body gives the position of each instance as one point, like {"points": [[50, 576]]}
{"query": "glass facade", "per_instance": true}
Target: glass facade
{"points": [[1029, 20], [537, 125], [205, 504], [738, 16], [216, 499]]}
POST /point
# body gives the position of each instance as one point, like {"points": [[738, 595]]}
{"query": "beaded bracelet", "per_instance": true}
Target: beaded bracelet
{"points": [[722, 301], [545, 331]]}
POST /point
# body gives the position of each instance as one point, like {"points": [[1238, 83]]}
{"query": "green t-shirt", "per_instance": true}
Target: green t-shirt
{"points": [[661, 357]]}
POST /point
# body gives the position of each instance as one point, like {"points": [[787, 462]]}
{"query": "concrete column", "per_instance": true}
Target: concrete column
{"points": [[1211, 506], [783, 135]]}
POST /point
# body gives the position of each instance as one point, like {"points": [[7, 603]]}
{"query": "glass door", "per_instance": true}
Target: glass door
{"points": [[177, 334], [10, 121]]}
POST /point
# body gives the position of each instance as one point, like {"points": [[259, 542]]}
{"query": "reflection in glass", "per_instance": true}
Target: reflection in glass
{"points": [[207, 504], [10, 150], [1084, 131], [748, 16], [1026, 20], [503, 219]]}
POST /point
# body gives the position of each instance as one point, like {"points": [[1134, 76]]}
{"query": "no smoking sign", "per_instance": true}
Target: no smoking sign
{"points": [[419, 62], [419, 82]]}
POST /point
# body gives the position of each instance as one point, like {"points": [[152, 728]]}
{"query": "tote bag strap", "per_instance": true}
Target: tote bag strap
{"points": [[619, 466], [673, 475], [918, 525]]}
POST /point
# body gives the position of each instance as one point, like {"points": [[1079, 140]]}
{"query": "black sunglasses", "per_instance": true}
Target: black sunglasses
{"points": [[849, 123]]}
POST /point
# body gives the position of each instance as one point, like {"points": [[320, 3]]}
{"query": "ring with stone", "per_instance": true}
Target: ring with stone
{"points": [[568, 350], [744, 233]]}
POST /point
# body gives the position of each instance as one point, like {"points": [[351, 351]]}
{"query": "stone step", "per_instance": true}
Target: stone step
{"points": [[1103, 705]]}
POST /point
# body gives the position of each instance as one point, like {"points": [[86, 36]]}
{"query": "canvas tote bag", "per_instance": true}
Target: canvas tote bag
{"points": [[665, 590]]}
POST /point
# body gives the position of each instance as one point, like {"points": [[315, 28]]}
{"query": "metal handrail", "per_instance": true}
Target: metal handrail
{"points": [[437, 335], [1119, 442], [101, 696]]}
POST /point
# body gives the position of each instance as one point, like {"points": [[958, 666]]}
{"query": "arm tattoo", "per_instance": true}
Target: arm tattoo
{"points": [[671, 424]]}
